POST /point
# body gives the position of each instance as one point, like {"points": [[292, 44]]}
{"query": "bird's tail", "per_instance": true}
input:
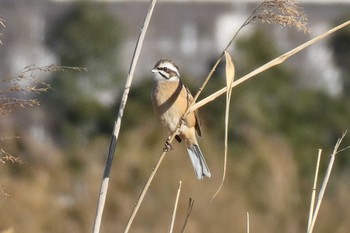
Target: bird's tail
{"points": [[198, 162]]}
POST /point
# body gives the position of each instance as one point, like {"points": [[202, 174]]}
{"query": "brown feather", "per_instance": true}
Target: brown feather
{"points": [[165, 96]]}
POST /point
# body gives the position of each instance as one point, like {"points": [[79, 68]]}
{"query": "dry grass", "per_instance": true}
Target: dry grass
{"points": [[7, 157], [285, 13], [224, 213], [189, 210], [314, 212], [13, 86], [69, 193], [277, 61], [313, 193], [18, 92], [230, 78], [173, 217]]}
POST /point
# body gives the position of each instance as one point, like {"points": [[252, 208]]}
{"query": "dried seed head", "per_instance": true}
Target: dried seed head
{"points": [[282, 12]]}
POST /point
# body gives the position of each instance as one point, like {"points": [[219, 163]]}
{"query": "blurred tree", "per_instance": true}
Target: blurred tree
{"points": [[340, 45], [86, 36]]}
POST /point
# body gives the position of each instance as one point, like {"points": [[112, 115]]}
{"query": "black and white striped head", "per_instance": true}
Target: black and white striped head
{"points": [[166, 70]]}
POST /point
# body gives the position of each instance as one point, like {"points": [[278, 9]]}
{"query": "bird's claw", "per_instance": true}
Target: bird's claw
{"points": [[167, 145], [182, 121]]}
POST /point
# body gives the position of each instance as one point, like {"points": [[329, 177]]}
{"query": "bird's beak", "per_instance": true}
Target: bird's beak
{"points": [[154, 70]]}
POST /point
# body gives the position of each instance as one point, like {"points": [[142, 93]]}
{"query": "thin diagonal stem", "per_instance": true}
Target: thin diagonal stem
{"points": [[117, 124], [246, 22], [313, 194], [148, 183], [190, 207], [325, 182], [175, 208], [248, 223], [266, 66]]}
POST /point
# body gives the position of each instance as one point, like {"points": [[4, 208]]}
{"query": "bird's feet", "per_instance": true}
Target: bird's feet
{"points": [[167, 145], [182, 121]]}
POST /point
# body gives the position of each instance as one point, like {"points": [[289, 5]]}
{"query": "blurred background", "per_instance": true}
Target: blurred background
{"points": [[278, 120]]}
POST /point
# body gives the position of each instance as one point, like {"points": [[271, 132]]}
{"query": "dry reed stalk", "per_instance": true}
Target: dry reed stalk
{"points": [[248, 223], [275, 62], [266, 66], [230, 77], [175, 208], [325, 182], [149, 181], [282, 12], [269, 11], [211, 72], [189, 210], [117, 123], [313, 193]]}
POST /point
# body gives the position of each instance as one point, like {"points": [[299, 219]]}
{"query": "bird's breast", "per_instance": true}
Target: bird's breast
{"points": [[169, 103]]}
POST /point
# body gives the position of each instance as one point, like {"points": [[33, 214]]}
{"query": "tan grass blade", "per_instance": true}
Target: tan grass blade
{"points": [[230, 77], [175, 208], [325, 182], [313, 194], [190, 207], [248, 223], [150, 179], [230, 71], [268, 65]]}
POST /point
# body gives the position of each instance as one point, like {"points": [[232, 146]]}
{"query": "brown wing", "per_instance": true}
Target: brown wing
{"points": [[198, 124]]}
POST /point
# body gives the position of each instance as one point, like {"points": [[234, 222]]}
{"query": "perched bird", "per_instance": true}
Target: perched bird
{"points": [[170, 99]]}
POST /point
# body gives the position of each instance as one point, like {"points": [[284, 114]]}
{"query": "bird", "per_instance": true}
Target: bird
{"points": [[170, 100]]}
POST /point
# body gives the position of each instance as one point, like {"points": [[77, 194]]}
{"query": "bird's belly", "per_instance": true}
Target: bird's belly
{"points": [[167, 99], [170, 119]]}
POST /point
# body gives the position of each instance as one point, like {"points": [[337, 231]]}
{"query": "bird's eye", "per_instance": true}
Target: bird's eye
{"points": [[166, 69]]}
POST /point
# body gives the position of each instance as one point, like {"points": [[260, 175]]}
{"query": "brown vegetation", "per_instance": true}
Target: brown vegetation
{"points": [[268, 171]]}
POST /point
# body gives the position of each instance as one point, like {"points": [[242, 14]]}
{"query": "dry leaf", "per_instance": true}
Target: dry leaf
{"points": [[230, 71]]}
